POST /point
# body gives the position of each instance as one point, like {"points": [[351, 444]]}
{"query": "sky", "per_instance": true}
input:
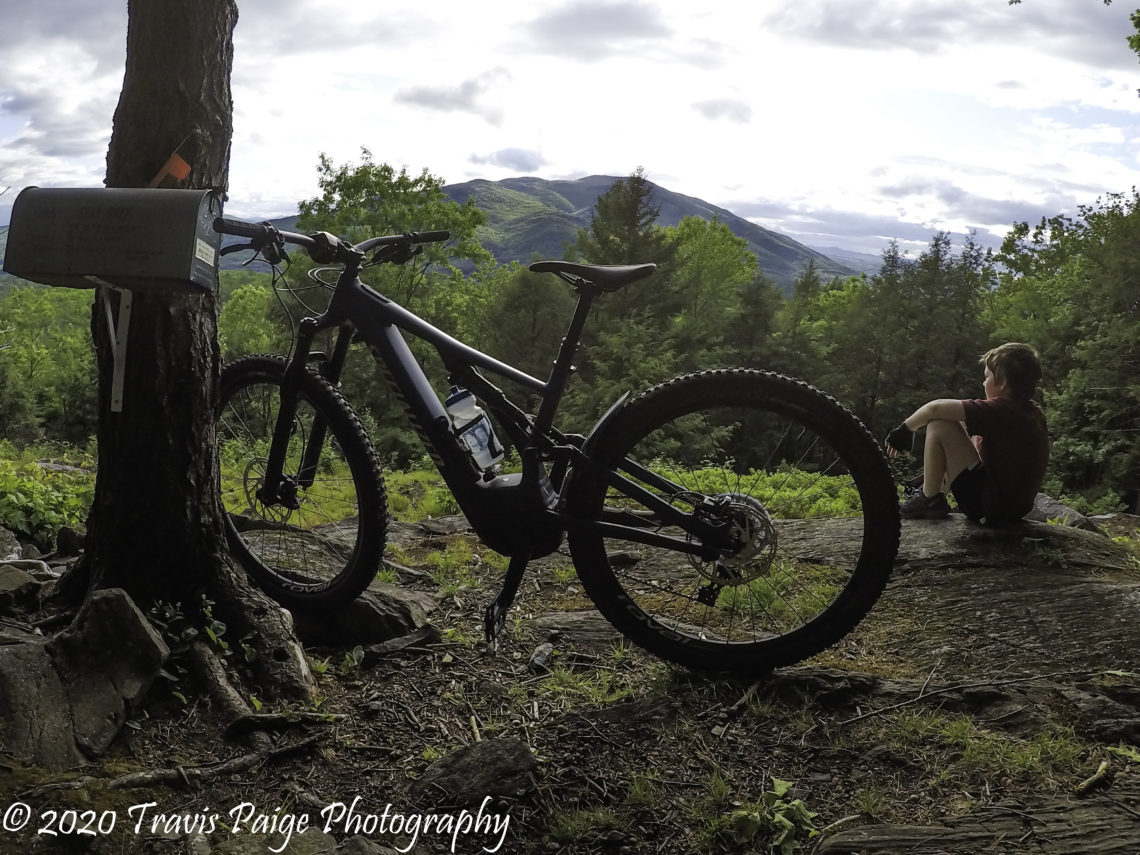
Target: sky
{"points": [[839, 123]]}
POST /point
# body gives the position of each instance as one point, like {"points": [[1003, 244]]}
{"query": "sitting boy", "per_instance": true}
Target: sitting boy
{"points": [[991, 453]]}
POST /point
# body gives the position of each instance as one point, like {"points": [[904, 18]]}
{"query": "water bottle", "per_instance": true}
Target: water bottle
{"points": [[473, 428]]}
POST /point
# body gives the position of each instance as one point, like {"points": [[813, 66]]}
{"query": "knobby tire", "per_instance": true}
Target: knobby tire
{"points": [[767, 448], [325, 551]]}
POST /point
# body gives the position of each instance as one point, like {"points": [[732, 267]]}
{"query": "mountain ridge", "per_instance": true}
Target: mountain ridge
{"points": [[528, 215]]}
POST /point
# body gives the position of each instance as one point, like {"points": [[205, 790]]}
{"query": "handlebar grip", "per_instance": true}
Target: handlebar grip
{"points": [[239, 228], [429, 237]]}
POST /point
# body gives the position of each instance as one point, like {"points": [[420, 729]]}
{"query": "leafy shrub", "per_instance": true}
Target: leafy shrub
{"points": [[37, 502], [787, 492]]}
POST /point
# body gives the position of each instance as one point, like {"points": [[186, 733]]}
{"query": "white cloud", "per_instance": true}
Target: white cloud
{"points": [[826, 114], [733, 109], [465, 97]]}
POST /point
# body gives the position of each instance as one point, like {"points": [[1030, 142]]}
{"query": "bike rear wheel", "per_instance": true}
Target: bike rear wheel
{"points": [[322, 545], [796, 481]]}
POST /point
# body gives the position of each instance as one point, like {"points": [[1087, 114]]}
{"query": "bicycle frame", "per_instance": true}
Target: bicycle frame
{"points": [[518, 514]]}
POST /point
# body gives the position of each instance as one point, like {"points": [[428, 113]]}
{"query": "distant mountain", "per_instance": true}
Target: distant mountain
{"points": [[6, 280], [860, 262], [532, 216]]}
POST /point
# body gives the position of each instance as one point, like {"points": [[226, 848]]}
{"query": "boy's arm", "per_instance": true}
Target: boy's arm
{"points": [[944, 409], [900, 440]]}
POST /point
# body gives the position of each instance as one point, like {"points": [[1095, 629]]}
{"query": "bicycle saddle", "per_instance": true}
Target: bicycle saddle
{"points": [[608, 277]]}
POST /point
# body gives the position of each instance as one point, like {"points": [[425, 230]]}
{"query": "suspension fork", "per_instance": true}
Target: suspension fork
{"points": [[331, 370], [275, 488]]}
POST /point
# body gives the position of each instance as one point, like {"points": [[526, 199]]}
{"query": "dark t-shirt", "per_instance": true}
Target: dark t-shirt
{"points": [[1014, 447]]}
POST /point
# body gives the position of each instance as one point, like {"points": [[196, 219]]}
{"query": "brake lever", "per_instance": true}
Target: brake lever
{"points": [[235, 247], [274, 252], [258, 252]]}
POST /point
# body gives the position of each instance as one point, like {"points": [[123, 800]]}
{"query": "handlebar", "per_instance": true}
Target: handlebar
{"points": [[325, 248]]}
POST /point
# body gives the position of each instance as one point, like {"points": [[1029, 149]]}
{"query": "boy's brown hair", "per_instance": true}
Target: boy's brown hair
{"points": [[1016, 366]]}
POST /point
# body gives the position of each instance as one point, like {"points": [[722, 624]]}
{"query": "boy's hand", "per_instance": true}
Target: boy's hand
{"points": [[900, 440]]}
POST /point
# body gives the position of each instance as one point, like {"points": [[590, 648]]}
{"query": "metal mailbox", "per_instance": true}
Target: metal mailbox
{"points": [[137, 239]]}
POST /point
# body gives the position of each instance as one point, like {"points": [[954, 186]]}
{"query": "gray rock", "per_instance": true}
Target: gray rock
{"points": [[363, 846], [1046, 508], [464, 778], [35, 718], [70, 541], [442, 526], [107, 659], [539, 660], [381, 613], [17, 588], [40, 570], [1060, 825], [312, 841], [427, 634], [584, 626], [16, 632], [10, 549]]}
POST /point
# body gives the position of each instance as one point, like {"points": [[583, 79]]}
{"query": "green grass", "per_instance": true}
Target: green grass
{"points": [[418, 494], [451, 567], [331, 498], [789, 594], [967, 754], [575, 824], [787, 493]]}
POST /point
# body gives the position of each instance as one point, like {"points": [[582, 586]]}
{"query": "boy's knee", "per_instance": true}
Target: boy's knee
{"points": [[943, 427]]}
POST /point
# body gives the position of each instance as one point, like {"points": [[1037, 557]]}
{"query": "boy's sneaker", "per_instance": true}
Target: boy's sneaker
{"points": [[922, 508]]}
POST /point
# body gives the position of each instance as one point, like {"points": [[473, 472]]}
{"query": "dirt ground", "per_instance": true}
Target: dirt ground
{"points": [[629, 755]]}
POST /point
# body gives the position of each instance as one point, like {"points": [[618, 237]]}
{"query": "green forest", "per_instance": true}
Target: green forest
{"points": [[882, 345]]}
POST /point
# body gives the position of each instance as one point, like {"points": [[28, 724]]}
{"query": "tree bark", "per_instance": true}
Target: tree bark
{"points": [[155, 527]]}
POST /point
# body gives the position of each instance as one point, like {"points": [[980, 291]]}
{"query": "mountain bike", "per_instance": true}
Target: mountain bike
{"points": [[727, 520]]}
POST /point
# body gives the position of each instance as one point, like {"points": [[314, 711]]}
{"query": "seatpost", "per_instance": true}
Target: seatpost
{"points": [[564, 362]]}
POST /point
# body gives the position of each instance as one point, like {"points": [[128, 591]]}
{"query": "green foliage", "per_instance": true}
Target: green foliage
{"points": [[624, 227], [366, 199], [583, 686], [987, 754], [881, 344], [47, 373], [451, 567], [362, 200], [782, 822], [1128, 752], [788, 492], [519, 317], [575, 824], [419, 493], [37, 502], [1070, 290], [248, 323], [884, 346], [338, 492], [352, 660]]}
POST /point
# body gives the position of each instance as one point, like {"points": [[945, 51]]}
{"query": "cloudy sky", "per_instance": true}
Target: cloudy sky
{"points": [[840, 123]]}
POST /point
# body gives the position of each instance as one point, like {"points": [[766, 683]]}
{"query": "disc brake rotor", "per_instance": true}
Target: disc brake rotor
{"points": [[754, 535], [252, 480]]}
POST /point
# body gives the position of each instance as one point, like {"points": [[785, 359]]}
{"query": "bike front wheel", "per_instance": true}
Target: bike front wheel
{"points": [[320, 543], [799, 490]]}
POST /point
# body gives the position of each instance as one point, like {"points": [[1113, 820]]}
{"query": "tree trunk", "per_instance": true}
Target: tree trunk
{"points": [[155, 527]]}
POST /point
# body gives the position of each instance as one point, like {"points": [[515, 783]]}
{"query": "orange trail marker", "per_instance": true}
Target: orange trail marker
{"points": [[175, 167]]}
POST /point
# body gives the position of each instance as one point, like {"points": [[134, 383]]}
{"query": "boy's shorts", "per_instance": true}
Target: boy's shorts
{"points": [[968, 488]]}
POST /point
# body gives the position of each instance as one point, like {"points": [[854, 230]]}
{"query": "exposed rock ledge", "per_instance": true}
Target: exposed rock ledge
{"points": [[1007, 624]]}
